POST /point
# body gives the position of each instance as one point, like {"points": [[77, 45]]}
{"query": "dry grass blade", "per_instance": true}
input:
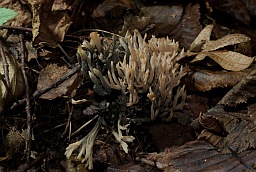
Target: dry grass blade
{"points": [[231, 39]]}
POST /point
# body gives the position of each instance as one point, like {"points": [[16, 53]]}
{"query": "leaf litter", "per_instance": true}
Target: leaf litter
{"points": [[224, 137]]}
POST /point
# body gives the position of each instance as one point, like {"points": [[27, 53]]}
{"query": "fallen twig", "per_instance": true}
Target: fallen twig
{"points": [[28, 97]]}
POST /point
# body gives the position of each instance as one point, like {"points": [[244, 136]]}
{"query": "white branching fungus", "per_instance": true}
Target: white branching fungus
{"points": [[119, 136], [85, 145], [150, 67]]}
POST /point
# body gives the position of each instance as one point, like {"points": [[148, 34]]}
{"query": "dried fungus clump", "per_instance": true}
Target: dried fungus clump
{"points": [[136, 66]]}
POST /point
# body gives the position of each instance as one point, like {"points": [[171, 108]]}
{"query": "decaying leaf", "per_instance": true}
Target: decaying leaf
{"points": [[241, 134], [205, 80], [110, 13], [200, 156], [17, 85], [52, 73], [164, 18], [240, 93], [189, 26], [230, 39], [48, 27], [202, 37], [228, 132], [228, 60], [204, 47], [237, 9]]}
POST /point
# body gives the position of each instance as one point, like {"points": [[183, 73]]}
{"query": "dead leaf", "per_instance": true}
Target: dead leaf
{"points": [[202, 38], [205, 80], [241, 92], [201, 156], [113, 8], [60, 5], [236, 8], [17, 86], [230, 39], [110, 13], [189, 26], [52, 73], [164, 18], [241, 133], [48, 27], [132, 22], [32, 52], [228, 60]]}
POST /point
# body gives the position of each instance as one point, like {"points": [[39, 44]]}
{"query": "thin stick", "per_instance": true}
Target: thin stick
{"points": [[28, 105], [66, 54], [26, 29], [5, 65]]}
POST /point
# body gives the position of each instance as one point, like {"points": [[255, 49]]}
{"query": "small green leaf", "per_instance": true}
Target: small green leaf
{"points": [[6, 14]]}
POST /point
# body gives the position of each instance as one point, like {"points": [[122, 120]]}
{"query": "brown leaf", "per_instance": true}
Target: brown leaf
{"points": [[230, 39], [241, 133], [164, 18], [113, 8], [110, 13], [189, 26], [235, 8], [202, 38], [132, 22], [201, 156], [240, 92], [48, 27], [228, 60], [52, 73], [205, 80]]}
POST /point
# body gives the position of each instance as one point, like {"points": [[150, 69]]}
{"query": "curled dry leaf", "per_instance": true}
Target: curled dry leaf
{"points": [[205, 80], [198, 156], [48, 27], [52, 73]]}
